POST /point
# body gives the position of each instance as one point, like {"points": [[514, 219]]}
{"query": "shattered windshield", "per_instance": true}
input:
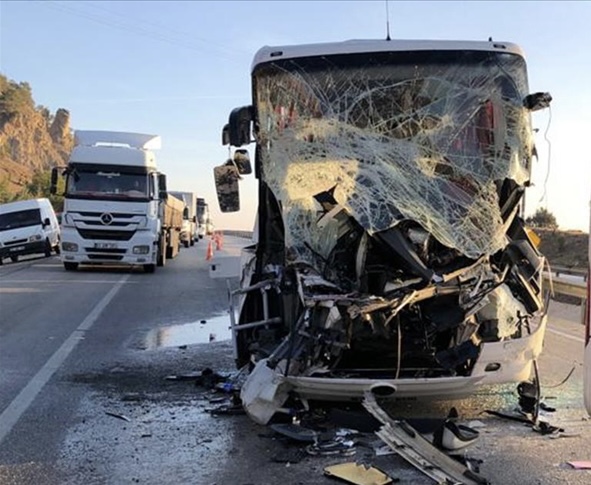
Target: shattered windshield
{"points": [[107, 184], [387, 137], [25, 218]]}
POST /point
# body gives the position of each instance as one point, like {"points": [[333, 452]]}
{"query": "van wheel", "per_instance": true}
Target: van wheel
{"points": [[57, 248], [71, 266], [14, 259], [47, 248]]}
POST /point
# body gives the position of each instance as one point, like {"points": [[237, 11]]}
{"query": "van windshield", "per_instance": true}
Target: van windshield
{"points": [[13, 220]]}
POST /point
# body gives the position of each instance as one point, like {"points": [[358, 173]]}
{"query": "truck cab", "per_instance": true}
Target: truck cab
{"points": [[390, 251], [113, 198]]}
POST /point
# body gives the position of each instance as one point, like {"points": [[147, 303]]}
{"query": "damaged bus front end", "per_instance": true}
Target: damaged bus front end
{"points": [[390, 251]]}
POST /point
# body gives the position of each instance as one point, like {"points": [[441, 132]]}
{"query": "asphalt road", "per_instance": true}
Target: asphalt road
{"points": [[84, 394]]}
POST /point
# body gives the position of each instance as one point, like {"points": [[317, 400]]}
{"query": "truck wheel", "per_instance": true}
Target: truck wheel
{"points": [[149, 268], [161, 259], [192, 242], [14, 259], [70, 266], [186, 244], [47, 249]]}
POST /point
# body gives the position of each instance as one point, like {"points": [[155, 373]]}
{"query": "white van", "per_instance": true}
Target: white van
{"points": [[28, 227]]}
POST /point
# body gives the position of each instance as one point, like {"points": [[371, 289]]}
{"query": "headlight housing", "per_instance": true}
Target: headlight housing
{"points": [[35, 237], [69, 247]]}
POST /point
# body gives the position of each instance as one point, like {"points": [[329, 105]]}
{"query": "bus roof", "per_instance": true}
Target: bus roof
{"points": [[271, 53]]}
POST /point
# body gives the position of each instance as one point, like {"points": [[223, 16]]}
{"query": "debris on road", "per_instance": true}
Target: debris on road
{"points": [[118, 416], [415, 449], [358, 474]]}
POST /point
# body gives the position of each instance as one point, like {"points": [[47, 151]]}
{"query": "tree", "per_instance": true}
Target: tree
{"points": [[39, 185], [542, 218]]}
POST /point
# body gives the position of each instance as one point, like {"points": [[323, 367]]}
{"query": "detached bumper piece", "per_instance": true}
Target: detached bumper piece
{"points": [[410, 445]]}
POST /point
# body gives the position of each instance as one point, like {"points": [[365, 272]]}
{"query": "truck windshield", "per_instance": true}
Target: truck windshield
{"points": [[107, 185], [13, 220], [426, 136]]}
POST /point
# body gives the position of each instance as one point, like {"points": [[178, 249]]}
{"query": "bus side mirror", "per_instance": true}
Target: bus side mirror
{"points": [[241, 160], [162, 192], [226, 185], [54, 176], [239, 126], [226, 135], [537, 101]]}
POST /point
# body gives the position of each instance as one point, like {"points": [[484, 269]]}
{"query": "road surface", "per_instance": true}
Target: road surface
{"points": [[84, 394]]}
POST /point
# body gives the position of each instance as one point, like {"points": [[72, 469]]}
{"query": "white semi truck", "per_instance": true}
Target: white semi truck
{"points": [[189, 232], [390, 252], [204, 222], [116, 207]]}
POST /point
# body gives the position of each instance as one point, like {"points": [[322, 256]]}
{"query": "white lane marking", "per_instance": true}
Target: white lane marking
{"points": [[52, 282], [21, 403], [566, 335]]}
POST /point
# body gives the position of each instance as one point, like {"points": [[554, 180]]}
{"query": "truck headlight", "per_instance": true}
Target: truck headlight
{"points": [[36, 237], [140, 249], [69, 247]]}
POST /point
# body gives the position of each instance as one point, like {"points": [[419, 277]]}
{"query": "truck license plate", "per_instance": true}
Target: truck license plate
{"points": [[105, 245]]}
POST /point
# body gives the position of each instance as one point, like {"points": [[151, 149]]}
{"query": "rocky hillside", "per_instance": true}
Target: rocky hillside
{"points": [[32, 139]]}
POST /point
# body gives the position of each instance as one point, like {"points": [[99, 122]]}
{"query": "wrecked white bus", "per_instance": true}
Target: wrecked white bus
{"points": [[390, 256]]}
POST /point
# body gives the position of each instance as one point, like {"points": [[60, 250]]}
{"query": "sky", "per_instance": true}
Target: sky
{"points": [[177, 69]]}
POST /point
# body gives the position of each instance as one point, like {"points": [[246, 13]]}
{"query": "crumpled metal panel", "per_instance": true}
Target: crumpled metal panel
{"points": [[427, 145]]}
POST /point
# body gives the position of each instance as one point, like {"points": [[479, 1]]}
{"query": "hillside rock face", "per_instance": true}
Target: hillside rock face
{"points": [[31, 139]]}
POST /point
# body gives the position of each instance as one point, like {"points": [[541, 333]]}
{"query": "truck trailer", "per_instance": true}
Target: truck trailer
{"points": [[390, 254], [116, 207], [204, 222], [189, 232]]}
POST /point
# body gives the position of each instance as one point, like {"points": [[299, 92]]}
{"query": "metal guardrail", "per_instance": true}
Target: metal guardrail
{"points": [[570, 271], [569, 288], [237, 233]]}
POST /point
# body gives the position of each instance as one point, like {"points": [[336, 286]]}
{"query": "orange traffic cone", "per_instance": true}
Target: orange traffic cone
{"points": [[209, 254], [218, 240]]}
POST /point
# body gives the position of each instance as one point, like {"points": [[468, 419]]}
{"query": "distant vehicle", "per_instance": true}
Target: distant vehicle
{"points": [[587, 365], [390, 253], [28, 227], [117, 209], [204, 223], [189, 229]]}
